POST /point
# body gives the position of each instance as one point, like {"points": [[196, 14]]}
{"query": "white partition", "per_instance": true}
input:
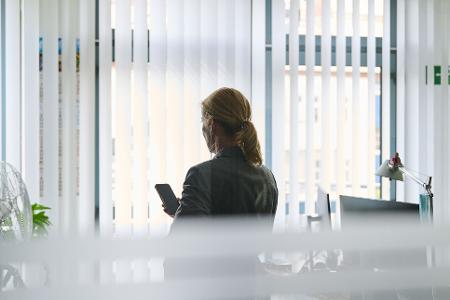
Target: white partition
{"points": [[229, 245]]}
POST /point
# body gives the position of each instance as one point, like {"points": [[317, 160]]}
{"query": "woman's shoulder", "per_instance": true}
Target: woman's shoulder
{"points": [[200, 168], [268, 174]]}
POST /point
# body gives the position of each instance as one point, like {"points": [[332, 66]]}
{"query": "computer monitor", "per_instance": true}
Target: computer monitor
{"points": [[355, 208], [367, 210]]}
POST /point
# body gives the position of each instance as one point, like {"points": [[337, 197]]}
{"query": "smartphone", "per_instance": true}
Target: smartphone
{"points": [[167, 197]]}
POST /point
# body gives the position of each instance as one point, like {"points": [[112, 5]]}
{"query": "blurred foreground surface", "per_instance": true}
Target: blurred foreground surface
{"points": [[236, 259]]}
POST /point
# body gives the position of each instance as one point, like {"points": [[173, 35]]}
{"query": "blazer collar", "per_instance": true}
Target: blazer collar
{"points": [[234, 151]]}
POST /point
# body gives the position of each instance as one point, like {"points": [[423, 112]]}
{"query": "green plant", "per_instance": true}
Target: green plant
{"points": [[41, 221]]}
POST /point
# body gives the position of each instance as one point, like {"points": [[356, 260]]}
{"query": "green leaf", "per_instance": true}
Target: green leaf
{"points": [[41, 221], [37, 206]]}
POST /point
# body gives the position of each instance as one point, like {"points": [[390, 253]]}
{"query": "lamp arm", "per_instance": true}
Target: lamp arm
{"points": [[425, 185], [416, 179]]}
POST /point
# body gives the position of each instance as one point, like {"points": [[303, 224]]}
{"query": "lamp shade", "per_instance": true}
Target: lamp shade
{"points": [[386, 170]]}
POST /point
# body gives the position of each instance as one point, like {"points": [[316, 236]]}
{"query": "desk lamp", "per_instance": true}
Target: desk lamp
{"points": [[394, 169]]}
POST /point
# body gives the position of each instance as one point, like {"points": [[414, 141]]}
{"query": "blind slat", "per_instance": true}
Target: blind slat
{"points": [[12, 84], [446, 111], [157, 108], [175, 101], [371, 96], [192, 114], [226, 27], [340, 104], [208, 53], [356, 98], [278, 108], [258, 71], [140, 119], [242, 49], [441, 107], [68, 33], [294, 112], [401, 61], [105, 138], [87, 117], [123, 167], [326, 149], [310, 157], [386, 95], [30, 88], [430, 104], [445, 208], [49, 91], [2, 112]]}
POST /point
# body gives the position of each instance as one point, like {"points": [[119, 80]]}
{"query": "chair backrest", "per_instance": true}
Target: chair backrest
{"points": [[324, 208]]}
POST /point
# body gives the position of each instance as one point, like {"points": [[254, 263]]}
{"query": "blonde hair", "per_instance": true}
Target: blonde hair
{"points": [[232, 110]]}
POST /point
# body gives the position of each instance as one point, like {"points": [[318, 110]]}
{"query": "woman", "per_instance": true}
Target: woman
{"points": [[234, 182]]}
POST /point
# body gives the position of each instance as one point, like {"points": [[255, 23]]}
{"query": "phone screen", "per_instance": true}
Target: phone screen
{"points": [[167, 197]]}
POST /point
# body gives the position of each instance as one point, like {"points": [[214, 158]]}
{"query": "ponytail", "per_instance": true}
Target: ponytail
{"points": [[249, 144], [229, 107]]}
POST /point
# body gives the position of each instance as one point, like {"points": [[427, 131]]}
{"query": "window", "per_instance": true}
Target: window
{"points": [[337, 53], [324, 99]]}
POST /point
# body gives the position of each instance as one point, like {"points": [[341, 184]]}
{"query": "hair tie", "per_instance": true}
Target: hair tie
{"points": [[244, 124]]}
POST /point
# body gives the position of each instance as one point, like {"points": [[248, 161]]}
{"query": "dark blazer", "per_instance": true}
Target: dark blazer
{"points": [[228, 185]]}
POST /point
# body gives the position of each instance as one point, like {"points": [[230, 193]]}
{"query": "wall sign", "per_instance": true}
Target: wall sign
{"points": [[437, 75]]}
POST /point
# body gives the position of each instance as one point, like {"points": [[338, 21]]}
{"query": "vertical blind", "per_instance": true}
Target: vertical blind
{"points": [[328, 115], [328, 118], [48, 97], [422, 98], [167, 57], [328, 60], [157, 60]]}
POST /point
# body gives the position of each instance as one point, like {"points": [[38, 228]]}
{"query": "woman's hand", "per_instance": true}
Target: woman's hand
{"points": [[170, 213]]}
